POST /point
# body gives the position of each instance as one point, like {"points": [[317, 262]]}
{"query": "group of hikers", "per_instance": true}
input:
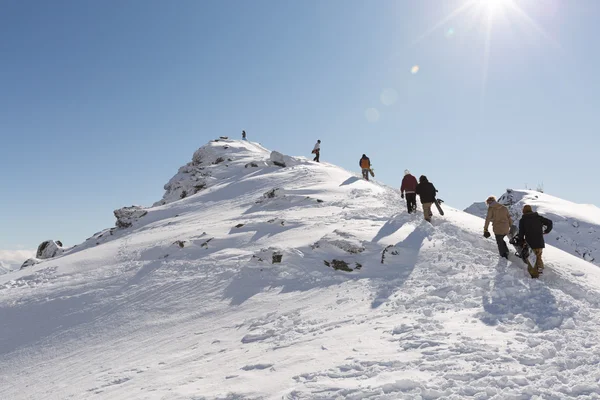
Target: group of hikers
{"points": [[530, 233], [410, 186], [425, 189]]}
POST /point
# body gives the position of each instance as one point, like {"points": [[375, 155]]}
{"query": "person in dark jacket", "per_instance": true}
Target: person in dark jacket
{"points": [[409, 186], [532, 228], [365, 165], [426, 192], [243, 135]]}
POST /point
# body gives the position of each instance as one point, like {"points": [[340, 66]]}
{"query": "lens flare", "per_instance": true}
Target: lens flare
{"points": [[389, 97], [414, 69], [372, 114]]}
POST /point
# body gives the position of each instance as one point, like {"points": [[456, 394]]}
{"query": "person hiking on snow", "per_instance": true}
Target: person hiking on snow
{"points": [[365, 165], [317, 151], [532, 231], [409, 186], [426, 192], [500, 218], [243, 135]]}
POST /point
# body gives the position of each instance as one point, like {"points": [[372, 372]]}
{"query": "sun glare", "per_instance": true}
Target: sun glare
{"points": [[485, 13], [493, 6]]}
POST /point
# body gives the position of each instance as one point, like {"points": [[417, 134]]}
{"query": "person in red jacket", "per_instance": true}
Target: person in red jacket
{"points": [[409, 185]]}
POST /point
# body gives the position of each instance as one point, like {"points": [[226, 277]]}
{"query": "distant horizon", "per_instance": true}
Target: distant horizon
{"points": [[103, 102]]}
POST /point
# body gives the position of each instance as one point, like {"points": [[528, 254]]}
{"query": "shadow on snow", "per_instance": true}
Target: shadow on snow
{"points": [[511, 296], [306, 271]]}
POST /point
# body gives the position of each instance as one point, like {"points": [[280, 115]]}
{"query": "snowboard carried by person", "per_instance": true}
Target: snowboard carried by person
{"points": [[437, 203], [522, 250], [427, 193]]}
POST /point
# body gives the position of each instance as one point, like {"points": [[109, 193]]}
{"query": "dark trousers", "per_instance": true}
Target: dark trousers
{"points": [[317, 154], [502, 247], [411, 202], [365, 172]]}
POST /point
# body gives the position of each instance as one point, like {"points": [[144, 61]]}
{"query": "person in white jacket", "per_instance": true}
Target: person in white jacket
{"points": [[317, 151]]}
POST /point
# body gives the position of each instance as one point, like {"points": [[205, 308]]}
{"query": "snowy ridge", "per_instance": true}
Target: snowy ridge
{"points": [[303, 282], [576, 226]]}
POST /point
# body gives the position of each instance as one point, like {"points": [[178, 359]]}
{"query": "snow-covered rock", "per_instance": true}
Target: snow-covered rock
{"points": [[49, 249], [210, 164], [280, 160], [297, 283], [30, 262], [576, 226], [220, 160], [277, 158], [126, 216]]}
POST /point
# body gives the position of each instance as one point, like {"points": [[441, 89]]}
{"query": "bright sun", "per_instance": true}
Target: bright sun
{"points": [[492, 6], [487, 13]]}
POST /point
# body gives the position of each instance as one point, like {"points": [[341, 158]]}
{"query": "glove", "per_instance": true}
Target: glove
{"points": [[402, 195], [486, 234]]}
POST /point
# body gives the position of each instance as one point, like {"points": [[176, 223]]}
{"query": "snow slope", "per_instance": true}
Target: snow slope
{"points": [[187, 303], [576, 226]]}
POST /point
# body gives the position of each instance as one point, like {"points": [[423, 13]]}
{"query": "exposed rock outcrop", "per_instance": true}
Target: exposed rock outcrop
{"points": [[30, 262], [126, 216], [277, 159], [49, 249]]}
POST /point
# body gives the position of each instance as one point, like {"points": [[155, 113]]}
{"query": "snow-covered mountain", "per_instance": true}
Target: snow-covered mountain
{"points": [[12, 259], [576, 226], [7, 266], [4, 268], [281, 278]]}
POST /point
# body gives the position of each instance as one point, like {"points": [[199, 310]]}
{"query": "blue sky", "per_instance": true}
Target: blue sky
{"points": [[101, 102]]}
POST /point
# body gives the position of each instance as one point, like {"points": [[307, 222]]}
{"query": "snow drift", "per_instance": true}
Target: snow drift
{"points": [[295, 282]]}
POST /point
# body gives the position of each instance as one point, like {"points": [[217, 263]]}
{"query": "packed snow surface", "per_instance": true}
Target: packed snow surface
{"points": [[296, 282]]}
